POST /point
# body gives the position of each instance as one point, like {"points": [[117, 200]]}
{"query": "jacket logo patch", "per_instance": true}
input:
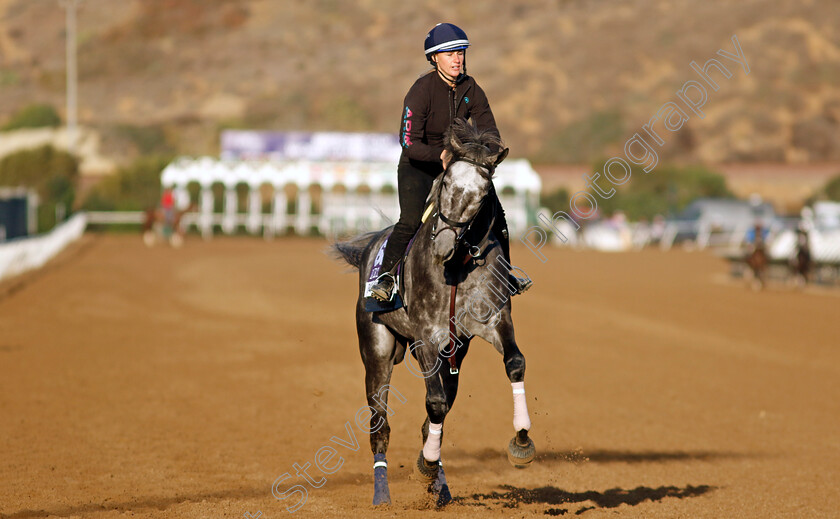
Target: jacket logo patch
{"points": [[406, 129]]}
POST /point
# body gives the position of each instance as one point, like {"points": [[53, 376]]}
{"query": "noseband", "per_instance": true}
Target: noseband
{"points": [[462, 228]]}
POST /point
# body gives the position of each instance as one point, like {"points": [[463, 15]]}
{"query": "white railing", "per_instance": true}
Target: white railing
{"points": [[331, 197], [115, 217], [22, 254]]}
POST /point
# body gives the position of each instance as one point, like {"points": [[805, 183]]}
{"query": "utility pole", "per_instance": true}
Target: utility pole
{"points": [[72, 77]]}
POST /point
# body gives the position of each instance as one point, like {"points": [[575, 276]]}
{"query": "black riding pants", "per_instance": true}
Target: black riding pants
{"points": [[414, 186]]}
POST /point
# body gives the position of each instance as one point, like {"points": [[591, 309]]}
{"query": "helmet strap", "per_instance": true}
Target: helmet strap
{"points": [[446, 77]]}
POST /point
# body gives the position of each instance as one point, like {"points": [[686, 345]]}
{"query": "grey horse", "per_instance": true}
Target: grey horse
{"points": [[454, 250]]}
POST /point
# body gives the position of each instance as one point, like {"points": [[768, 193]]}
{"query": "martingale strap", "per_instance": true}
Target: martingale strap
{"points": [[453, 364]]}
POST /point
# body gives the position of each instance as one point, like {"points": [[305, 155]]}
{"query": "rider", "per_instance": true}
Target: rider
{"points": [[167, 204], [431, 105], [756, 237]]}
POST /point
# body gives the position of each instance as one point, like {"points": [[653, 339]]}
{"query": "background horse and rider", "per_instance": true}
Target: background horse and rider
{"points": [[163, 223], [454, 251], [757, 258], [801, 263]]}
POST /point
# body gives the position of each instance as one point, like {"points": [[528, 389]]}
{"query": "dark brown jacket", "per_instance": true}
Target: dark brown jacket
{"points": [[429, 108]]}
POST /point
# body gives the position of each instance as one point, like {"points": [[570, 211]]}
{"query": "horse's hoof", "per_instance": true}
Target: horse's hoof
{"points": [[381, 499], [521, 456], [427, 471], [149, 238], [444, 497], [439, 488], [381, 493]]}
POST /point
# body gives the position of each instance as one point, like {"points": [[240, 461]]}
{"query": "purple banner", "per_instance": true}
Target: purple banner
{"points": [[325, 146]]}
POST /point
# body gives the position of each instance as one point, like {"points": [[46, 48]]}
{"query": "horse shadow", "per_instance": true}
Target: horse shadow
{"points": [[139, 504], [512, 497], [579, 456]]}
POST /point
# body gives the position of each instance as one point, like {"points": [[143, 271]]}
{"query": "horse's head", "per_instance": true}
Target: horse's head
{"points": [[464, 187]]}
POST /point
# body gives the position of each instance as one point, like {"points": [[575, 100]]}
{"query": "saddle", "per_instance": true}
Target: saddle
{"points": [[371, 303]]}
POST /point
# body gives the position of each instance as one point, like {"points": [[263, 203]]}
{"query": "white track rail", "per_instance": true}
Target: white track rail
{"points": [[18, 256]]}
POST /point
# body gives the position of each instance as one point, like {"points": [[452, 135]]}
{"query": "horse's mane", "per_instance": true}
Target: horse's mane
{"points": [[464, 140]]}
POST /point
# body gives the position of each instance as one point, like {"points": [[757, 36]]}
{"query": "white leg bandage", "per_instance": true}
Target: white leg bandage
{"points": [[431, 449], [520, 407]]}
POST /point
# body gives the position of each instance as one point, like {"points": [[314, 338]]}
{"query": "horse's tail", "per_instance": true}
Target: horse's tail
{"points": [[352, 250]]}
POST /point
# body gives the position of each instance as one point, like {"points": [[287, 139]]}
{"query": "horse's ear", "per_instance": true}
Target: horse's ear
{"points": [[501, 156], [454, 142]]}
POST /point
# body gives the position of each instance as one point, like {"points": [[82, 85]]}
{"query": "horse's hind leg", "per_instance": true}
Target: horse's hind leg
{"points": [[759, 281], [377, 346], [521, 450]]}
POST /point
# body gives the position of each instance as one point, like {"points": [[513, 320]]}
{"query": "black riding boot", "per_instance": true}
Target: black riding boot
{"points": [[503, 235], [413, 189], [383, 289]]}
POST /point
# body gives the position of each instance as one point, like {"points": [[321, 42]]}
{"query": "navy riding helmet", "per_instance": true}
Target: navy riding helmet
{"points": [[445, 37]]}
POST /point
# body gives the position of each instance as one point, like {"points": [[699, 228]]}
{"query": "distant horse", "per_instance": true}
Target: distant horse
{"points": [[454, 248], [159, 224], [800, 263], [757, 260]]}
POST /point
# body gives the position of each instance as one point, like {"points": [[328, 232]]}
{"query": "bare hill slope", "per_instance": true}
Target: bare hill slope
{"points": [[568, 80]]}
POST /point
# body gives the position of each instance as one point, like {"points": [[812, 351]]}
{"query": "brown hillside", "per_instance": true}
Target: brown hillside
{"points": [[569, 80]]}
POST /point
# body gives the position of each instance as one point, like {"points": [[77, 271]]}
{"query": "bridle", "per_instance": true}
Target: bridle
{"points": [[462, 228]]}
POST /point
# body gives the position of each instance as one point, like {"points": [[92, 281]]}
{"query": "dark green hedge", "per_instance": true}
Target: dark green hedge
{"points": [[51, 173], [34, 116]]}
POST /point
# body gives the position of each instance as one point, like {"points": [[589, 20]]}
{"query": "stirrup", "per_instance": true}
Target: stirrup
{"points": [[521, 284], [380, 293]]}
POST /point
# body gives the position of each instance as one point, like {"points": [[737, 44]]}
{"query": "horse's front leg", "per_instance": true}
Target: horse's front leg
{"points": [[437, 483], [435, 370], [521, 450]]}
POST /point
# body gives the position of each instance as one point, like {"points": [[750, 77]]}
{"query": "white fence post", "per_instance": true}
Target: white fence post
{"points": [[230, 209], [279, 208], [254, 210], [205, 221], [303, 207]]}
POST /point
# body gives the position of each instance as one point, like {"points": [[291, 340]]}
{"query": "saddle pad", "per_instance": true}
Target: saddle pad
{"points": [[377, 266], [371, 303]]}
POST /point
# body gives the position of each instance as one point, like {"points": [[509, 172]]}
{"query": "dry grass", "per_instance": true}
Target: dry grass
{"points": [[548, 70]]}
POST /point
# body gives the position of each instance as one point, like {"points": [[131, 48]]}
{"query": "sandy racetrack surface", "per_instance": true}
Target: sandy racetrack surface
{"points": [[182, 383]]}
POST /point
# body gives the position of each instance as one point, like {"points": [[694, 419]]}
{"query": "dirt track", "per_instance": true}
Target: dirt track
{"points": [[182, 383]]}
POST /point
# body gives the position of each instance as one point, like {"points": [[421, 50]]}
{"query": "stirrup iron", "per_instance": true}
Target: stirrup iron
{"points": [[383, 276]]}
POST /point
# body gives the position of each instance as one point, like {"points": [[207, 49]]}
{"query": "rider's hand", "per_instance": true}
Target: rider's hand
{"points": [[445, 157]]}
